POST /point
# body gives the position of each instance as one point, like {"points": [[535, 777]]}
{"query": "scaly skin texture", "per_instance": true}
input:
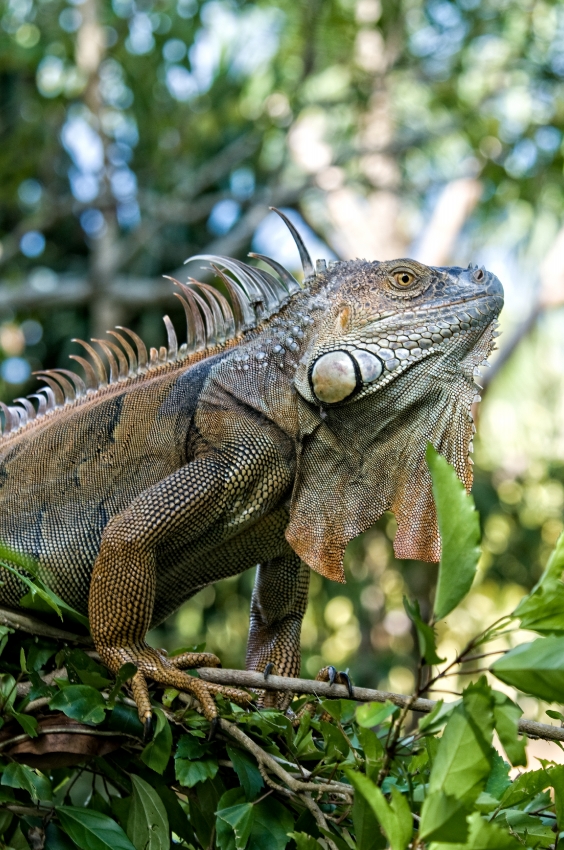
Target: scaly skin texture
{"points": [[136, 496]]}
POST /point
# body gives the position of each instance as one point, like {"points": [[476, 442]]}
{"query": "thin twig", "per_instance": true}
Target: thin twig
{"points": [[34, 626]]}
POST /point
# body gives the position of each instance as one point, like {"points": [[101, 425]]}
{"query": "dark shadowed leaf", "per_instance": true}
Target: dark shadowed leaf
{"points": [[125, 672], [240, 818], [21, 776], [459, 526], [536, 668], [157, 753], [81, 702], [189, 773], [92, 830], [147, 824], [307, 842], [246, 769], [542, 610]]}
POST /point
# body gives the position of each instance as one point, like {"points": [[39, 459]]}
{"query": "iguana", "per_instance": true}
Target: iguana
{"points": [[289, 421]]}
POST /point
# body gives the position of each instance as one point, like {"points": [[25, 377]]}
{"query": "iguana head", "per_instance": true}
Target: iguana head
{"points": [[389, 366]]}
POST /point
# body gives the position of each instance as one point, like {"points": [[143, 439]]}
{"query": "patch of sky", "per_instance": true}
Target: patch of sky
{"points": [[124, 184], [15, 370], [123, 8], [242, 183], [522, 159], [70, 20], [140, 40], [548, 139], [243, 40], [29, 192], [85, 147], [119, 154], [223, 216], [444, 14], [121, 127], [50, 76], [186, 8], [174, 50], [273, 239], [181, 83], [93, 223], [128, 215], [32, 331], [32, 243], [112, 86]]}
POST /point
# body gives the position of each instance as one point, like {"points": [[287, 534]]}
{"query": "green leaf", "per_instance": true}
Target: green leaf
{"points": [[506, 716], [307, 842], [190, 747], [147, 824], [27, 722], [189, 773], [83, 669], [372, 748], [557, 782], [425, 633], [374, 713], [536, 668], [459, 526], [224, 832], [465, 755], [530, 829], [81, 702], [21, 776], [443, 818], [498, 780], [526, 786], [272, 825], [246, 769], [156, 754], [483, 836], [8, 692], [395, 818], [240, 818], [367, 832], [92, 830], [124, 674]]}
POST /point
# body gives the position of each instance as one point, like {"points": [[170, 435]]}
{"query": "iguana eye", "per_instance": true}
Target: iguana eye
{"points": [[403, 278]]}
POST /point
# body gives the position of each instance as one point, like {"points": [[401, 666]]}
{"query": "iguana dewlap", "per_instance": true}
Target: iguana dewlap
{"points": [[285, 426]]}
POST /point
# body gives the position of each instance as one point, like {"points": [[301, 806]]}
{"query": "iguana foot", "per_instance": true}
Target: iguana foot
{"points": [[333, 676], [168, 672]]}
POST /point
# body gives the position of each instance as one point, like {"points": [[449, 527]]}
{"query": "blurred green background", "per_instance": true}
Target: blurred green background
{"points": [[138, 132]]}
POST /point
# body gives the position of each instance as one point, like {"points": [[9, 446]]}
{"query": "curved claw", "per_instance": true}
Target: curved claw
{"points": [[214, 723], [148, 729], [332, 674], [345, 679], [268, 669]]}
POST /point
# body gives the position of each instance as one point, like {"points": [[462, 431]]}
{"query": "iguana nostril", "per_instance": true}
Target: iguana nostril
{"points": [[370, 366], [333, 377]]}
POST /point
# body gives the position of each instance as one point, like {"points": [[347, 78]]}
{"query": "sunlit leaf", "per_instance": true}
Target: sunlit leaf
{"points": [[506, 716], [443, 818], [483, 836], [394, 818], [536, 668], [459, 526]]}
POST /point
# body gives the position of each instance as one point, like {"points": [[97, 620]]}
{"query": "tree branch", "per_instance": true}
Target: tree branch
{"points": [[247, 679], [31, 625]]}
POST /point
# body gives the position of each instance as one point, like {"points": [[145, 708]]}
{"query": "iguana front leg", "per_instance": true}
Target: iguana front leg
{"points": [[278, 606], [202, 504]]}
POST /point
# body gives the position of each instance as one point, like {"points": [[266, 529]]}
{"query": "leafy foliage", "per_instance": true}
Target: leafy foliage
{"points": [[332, 774]]}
